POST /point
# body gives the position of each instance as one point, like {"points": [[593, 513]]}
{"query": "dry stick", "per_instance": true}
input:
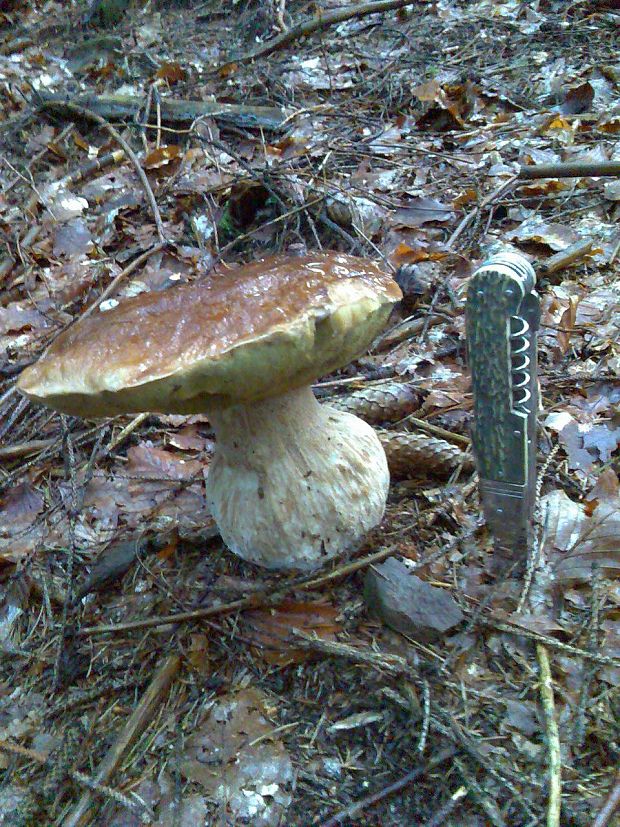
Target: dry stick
{"points": [[88, 114], [127, 430], [36, 158], [394, 665], [549, 641], [435, 430], [469, 217], [321, 21], [25, 238], [364, 803], [23, 752], [139, 719], [611, 804], [451, 804], [405, 330], [566, 257], [577, 170], [554, 804], [250, 602], [614, 253], [480, 796], [277, 220], [22, 449], [73, 510], [80, 777]]}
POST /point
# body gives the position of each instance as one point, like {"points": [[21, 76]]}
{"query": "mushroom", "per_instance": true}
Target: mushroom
{"points": [[293, 482]]}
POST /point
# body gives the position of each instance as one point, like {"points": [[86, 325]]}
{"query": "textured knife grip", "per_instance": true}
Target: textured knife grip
{"points": [[489, 309], [502, 319]]}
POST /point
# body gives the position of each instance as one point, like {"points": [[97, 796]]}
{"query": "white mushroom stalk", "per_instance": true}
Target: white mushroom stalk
{"points": [[293, 482]]}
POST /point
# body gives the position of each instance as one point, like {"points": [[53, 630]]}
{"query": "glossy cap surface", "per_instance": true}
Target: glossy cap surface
{"points": [[244, 334]]}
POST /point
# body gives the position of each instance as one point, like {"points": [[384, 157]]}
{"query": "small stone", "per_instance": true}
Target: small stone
{"points": [[409, 604]]}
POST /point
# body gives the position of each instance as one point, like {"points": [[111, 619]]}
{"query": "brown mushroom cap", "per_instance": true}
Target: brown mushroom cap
{"points": [[245, 334]]}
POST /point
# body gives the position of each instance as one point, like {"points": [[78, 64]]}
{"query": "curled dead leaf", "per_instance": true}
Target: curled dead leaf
{"points": [[162, 156], [269, 630]]}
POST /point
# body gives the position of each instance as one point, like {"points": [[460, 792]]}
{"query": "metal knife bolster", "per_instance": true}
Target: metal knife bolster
{"points": [[502, 319], [507, 511]]}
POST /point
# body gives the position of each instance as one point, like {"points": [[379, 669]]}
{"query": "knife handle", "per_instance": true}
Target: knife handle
{"points": [[502, 319]]}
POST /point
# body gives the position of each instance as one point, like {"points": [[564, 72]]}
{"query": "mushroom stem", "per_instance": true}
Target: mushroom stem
{"points": [[294, 483]]}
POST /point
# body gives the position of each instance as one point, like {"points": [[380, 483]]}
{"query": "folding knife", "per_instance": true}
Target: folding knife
{"points": [[502, 317]]}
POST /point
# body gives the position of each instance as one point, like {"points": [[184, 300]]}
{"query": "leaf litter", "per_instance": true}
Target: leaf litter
{"points": [[403, 136]]}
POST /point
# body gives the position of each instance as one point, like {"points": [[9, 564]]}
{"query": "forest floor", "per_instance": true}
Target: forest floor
{"points": [[401, 136]]}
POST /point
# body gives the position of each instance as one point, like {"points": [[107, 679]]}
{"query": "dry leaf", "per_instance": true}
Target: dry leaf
{"points": [[173, 72], [578, 99], [162, 156], [421, 211], [237, 758], [269, 630], [576, 543], [556, 236]]}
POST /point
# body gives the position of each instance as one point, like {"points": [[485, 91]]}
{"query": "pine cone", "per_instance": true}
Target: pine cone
{"points": [[419, 454], [386, 401]]}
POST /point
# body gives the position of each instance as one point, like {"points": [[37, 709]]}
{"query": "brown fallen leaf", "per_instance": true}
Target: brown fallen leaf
{"points": [[162, 156], [269, 630]]}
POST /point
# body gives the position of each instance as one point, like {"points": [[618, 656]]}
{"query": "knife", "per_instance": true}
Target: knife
{"points": [[502, 318]]}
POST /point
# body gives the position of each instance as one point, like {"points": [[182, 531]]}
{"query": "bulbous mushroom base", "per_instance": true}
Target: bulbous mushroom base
{"points": [[295, 483]]}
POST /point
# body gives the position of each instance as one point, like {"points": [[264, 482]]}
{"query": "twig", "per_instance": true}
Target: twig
{"points": [[22, 449], [89, 115], [426, 720], [139, 719], [614, 252], [127, 431], [277, 220], [23, 752], [552, 643], [73, 511], [405, 330], [36, 158], [566, 257], [252, 601], [279, 14], [577, 170], [392, 664], [480, 796], [321, 21], [364, 803], [469, 217], [109, 792], [445, 723], [451, 804], [76, 775], [442, 433], [537, 544], [589, 670], [554, 804], [611, 804]]}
